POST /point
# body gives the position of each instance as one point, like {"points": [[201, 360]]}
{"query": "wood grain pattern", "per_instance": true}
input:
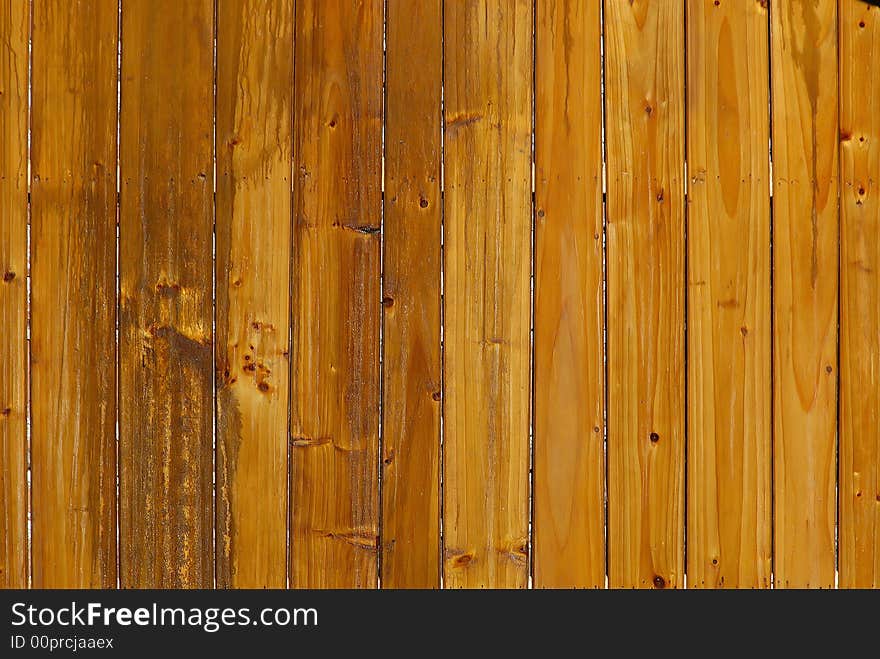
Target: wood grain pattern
{"points": [[336, 294], [254, 159], [166, 401], [487, 233], [729, 364], [14, 35], [73, 294], [859, 533], [411, 297], [569, 371], [644, 105], [805, 253]]}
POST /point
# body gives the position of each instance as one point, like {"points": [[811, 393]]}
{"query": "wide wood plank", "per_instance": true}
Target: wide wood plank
{"points": [[644, 106], [254, 145], [336, 294], [487, 233], [166, 401], [14, 35], [73, 286], [411, 297], [805, 255], [859, 534], [569, 375], [729, 378]]}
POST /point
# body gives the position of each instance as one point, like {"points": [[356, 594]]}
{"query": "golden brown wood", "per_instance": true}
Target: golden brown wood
{"points": [[859, 535], [644, 105], [805, 249], [569, 480], [411, 302], [488, 99], [73, 294], [14, 34], [336, 294], [166, 402], [729, 378], [254, 143]]}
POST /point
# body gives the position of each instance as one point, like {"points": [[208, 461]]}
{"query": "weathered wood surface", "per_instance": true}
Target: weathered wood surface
{"points": [[165, 306], [644, 109], [336, 294], [569, 369], [805, 262], [729, 366], [487, 232], [73, 293], [254, 145], [411, 297]]}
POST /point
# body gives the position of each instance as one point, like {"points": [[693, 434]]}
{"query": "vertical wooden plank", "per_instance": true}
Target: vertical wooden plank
{"points": [[644, 106], [729, 364], [336, 293], [569, 500], [14, 34], [166, 402], [254, 143], [411, 303], [73, 270], [859, 534], [805, 253], [488, 99]]}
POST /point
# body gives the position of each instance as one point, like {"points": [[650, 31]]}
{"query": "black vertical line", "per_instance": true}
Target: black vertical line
{"points": [[214, 447], [605, 434], [837, 356], [288, 509], [533, 291], [381, 356], [118, 301], [29, 558], [686, 272], [771, 60], [441, 461]]}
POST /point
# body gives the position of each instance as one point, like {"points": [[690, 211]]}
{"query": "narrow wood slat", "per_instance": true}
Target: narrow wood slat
{"points": [[14, 34], [166, 402], [729, 365], [254, 143], [73, 306], [487, 233], [411, 303], [805, 253], [336, 294], [644, 105], [859, 535], [569, 373]]}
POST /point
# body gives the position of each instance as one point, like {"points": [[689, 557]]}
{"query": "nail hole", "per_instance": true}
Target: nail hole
{"points": [[659, 582], [654, 437], [423, 203]]}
